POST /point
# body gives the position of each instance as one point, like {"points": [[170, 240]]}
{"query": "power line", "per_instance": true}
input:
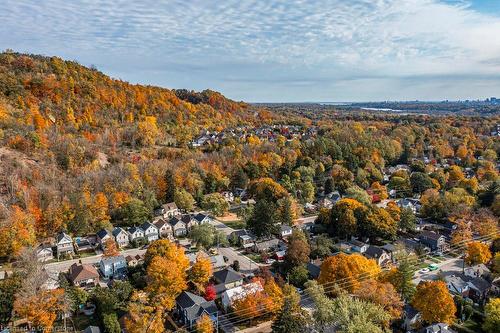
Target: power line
{"points": [[344, 282]]}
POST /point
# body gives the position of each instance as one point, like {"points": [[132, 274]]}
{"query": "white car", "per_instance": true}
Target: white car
{"points": [[425, 270]]}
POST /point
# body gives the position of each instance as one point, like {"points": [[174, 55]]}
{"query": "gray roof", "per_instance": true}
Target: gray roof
{"points": [[113, 260], [63, 235], [200, 217], [439, 328], [195, 305], [374, 252], [227, 275], [92, 329], [117, 231]]}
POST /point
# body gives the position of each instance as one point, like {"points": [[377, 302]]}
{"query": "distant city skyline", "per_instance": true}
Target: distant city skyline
{"points": [[277, 50]]}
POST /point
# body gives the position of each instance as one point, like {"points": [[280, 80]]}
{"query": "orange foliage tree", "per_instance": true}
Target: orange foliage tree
{"points": [[383, 294], [347, 270], [434, 302], [41, 310], [204, 324]]}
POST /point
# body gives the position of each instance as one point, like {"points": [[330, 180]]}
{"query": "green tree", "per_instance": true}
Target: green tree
{"points": [[264, 218], [298, 275], [133, 212], [348, 314], [203, 235], [184, 200], [321, 246], [357, 193], [420, 182], [110, 323], [408, 220], [215, 203], [291, 318]]}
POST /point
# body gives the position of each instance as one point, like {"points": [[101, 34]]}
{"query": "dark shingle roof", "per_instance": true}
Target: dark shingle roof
{"points": [[227, 276], [102, 233]]}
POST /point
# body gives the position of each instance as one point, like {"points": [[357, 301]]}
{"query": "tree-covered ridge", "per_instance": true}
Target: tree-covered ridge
{"points": [[48, 92]]}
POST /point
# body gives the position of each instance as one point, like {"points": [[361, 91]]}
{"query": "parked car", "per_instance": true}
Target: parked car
{"points": [[432, 267], [424, 270]]}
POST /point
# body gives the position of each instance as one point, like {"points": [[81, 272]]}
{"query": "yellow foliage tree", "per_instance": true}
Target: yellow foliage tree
{"points": [[204, 324], [201, 271], [383, 294], [275, 296], [434, 302], [347, 270], [477, 253], [142, 317]]}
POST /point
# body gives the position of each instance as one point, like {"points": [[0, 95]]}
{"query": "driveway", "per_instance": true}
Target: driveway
{"points": [[247, 265]]}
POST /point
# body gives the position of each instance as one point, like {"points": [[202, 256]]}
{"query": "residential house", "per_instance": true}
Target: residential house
{"points": [[285, 231], [410, 203], [231, 295], [334, 196], [103, 236], [189, 221], [121, 237], [227, 279], [313, 269], [378, 254], [272, 244], [113, 267], [201, 218], [150, 231], [413, 246], [307, 226], [64, 244], [325, 203], [44, 252], [358, 246], [164, 228], [456, 285], [479, 270], [479, 289], [178, 226], [170, 210], [392, 250], [435, 241], [228, 196], [85, 244], [439, 328], [133, 261], [84, 276], [190, 307], [92, 329], [135, 234], [411, 318], [242, 238]]}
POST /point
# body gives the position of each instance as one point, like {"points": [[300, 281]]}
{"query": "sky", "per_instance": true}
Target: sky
{"points": [[274, 50]]}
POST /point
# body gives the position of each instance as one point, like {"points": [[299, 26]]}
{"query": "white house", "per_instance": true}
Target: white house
{"points": [[44, 252], [103, 236], [285, 231], [150, 231], [178, 226], [135, 233], [64, 244], [229, 296], [164, 228], [170, 210], [121, 237]]}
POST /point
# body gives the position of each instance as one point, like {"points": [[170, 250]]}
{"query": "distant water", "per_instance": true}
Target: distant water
{"points": [[382, 109], [335, 103]]}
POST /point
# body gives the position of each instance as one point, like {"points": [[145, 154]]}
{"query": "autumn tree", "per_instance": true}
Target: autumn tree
{"points": [[266, 189], [477, 253], [434, 302], [16, 231], [210, 293], [142, 316], [201, 271], [204, 324], [298, 250], [484, 223], [401, 277], [274, 296], [343, 220], [348, 270], [110, 248], [383, 294]]}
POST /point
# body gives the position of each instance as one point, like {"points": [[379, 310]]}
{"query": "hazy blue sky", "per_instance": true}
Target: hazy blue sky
{"points": [[270, 50]]}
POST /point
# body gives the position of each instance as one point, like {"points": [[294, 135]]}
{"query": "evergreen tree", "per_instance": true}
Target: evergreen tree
{"points": [[263, 221]]}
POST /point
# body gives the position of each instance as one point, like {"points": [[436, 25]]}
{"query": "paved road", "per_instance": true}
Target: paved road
{"points": [[221, 227], [247, 265], [447, 267]]}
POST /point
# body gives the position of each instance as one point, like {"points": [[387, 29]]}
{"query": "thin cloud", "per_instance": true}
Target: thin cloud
{"points": [[267, 42]]}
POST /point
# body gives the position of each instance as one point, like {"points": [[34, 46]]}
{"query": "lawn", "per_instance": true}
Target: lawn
{"points": [[235, 224]]}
